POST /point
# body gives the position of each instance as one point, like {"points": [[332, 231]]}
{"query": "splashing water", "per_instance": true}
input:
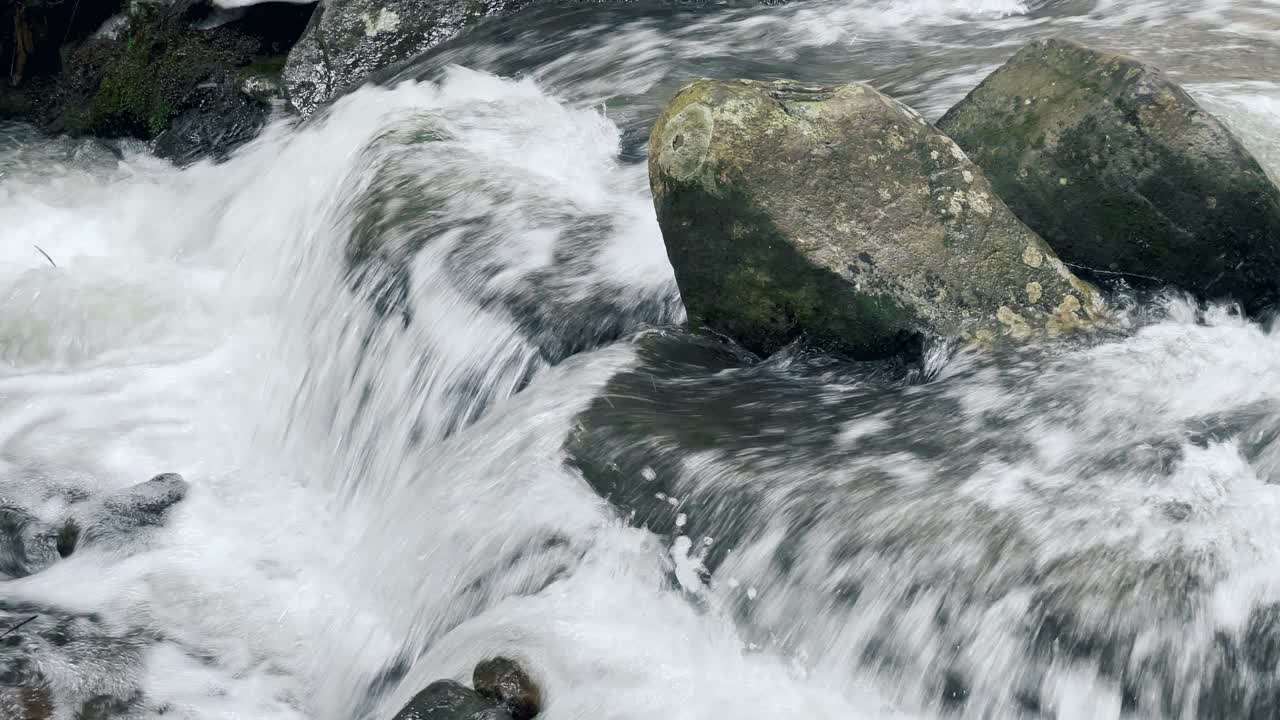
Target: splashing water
{"points": [[416, 360]]}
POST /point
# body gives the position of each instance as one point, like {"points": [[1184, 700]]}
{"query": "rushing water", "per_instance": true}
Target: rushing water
{"points": [[402, 353]]}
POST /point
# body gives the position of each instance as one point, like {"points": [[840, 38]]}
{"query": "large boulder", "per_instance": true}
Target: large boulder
{"points": [[1122, 172], [838, 214], [347, 40]]}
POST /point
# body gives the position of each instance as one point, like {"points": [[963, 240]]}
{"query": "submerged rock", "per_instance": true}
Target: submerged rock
{"points": [[57, 663], [503, 691], [503, 681], [42, 521], [1122, 172], [448, 700], [348, 41], [838, 214], [27, 544], [20, 703]]}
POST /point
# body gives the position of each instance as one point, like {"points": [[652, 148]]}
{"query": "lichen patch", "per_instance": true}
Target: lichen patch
{"points": [[683, 147], [1014, 324], [1032, 256], [385, 21]]}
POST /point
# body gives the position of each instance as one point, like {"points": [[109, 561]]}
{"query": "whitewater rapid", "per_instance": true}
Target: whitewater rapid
{"points": [[366, 340]]}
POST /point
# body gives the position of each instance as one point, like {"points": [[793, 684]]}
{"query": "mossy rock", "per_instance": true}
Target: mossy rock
{"points": [[1122, 172], [837, 214], [197, 93]]}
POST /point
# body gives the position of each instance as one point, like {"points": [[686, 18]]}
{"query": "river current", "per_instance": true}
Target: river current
{"points": [[420, 361]]}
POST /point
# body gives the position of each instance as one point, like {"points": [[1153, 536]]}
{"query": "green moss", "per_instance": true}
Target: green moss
{"points": [[126, 97], [145, 80]]}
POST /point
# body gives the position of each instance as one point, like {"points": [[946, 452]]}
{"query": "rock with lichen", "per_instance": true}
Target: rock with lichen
{"points": [[840, 215], [1121, 171]]}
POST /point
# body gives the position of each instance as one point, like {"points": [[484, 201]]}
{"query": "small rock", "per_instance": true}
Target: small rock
{"points": [[448, 700], [502, 680]]}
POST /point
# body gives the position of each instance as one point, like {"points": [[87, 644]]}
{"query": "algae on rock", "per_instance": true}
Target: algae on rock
{"points": [[1122, 172], [838, 214]]}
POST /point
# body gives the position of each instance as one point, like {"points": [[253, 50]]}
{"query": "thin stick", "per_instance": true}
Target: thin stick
{"points": [[74, 8], [46, 257], [15, 627]]}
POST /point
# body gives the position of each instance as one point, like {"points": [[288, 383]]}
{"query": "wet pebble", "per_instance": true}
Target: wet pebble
{"points": [[505, 682]]}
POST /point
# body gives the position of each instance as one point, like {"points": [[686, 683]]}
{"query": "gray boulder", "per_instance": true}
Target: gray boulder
{"points": [[31, 539], [838, 214], [1122, 172], [346, 40]]}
